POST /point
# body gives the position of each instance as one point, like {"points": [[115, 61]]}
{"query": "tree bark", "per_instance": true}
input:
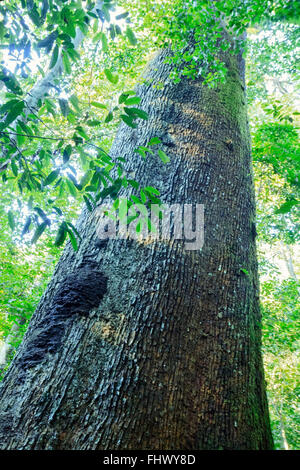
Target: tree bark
{"points": [[148, 345]]}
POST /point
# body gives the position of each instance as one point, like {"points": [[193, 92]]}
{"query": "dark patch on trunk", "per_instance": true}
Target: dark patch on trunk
{"points": [[229, 144], [253, 231], [101, 243], [77, 294]]}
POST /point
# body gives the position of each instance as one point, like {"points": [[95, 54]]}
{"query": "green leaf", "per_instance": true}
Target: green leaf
{"points": [[70, 29], [136, 199], [71, 188], [51, 177], [54, 57], [122, 16], [66, 62], [143, 151], [245, 271], [57, 210], [75, 102], [44, 9], [86, 178], [109, 117], [14, 168], [64, 107], [10, 82], [134, 184], [20, 138], [98, 105], [153, 199], [152, 190], [34, 14], [118, 29], [73, 179], [61, 235], [136, 112], [82, 132], [26, 129], [287, 206], [104, 43], [128, 120], [88, 203], [110, 77], [14, 112], [40, 212], [26, 226], [112, 31], [73, 239], [122, 98], [154, 141], [163, 156], [39, 231], [123, 208], [93, 122], [8, 105], [133, 100], [73, 54], [48, 41], [105, 11], [131, 37], [11, 220], [143, 196], [67, 153], [74, 230]]}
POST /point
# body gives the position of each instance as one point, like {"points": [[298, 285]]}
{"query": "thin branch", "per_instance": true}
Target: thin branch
{"points": [[33, 136]]}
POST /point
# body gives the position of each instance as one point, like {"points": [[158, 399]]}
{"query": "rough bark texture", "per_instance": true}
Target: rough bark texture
{"points": [[147, 345]]}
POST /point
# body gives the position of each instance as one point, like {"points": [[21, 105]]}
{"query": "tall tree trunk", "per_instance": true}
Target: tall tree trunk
{"points": [[148, 345]]}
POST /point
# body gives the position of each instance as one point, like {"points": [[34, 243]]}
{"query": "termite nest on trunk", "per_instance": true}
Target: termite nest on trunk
{"points": [[76, 295], [81, 291]]}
